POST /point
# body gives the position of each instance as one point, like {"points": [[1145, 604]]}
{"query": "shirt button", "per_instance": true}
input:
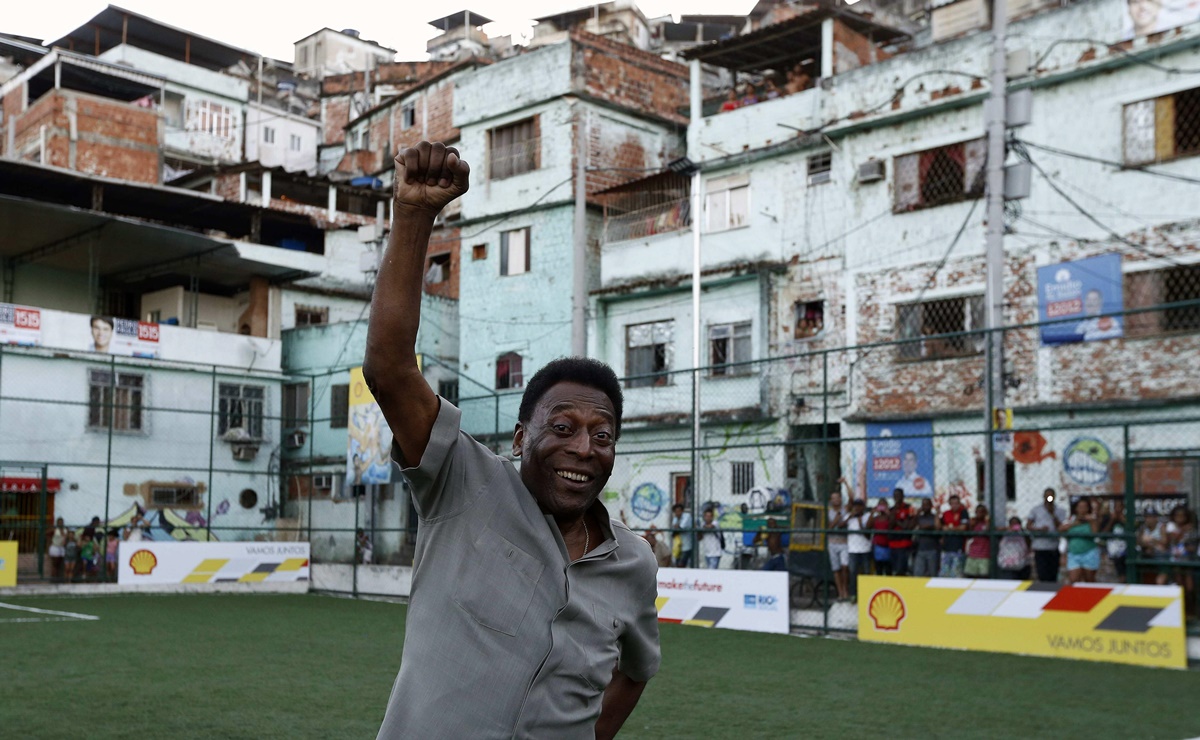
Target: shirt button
{"points": [[616, 623]]}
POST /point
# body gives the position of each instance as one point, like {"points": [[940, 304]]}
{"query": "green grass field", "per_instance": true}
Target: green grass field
{"points": [[316, 666]]}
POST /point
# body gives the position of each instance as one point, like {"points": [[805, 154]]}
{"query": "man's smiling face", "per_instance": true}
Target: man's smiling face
{"points": [[567, 448]]}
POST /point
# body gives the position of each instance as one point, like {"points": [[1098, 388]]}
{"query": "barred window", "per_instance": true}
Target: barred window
{"points": [[174, 496], [207, 117], [513, 149], [509, 371], [117, 403], [648, 353], [339, 406], [820, 168], [729, 344], [448, 389], [240, 407], [934, 177], [742, 475], [1163, 128], [1177, 284], [944, 316], [295, 405]]}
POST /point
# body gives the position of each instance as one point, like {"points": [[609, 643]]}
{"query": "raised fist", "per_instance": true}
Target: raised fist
{"points": [[428, 176]]}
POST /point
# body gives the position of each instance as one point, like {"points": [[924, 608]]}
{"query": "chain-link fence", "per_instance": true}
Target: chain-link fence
{"points": [[1112, 419]]}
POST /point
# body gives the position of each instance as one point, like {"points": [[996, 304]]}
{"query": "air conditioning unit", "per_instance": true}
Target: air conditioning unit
{"points": [[295, 439], [871, 171], [245, 452]]}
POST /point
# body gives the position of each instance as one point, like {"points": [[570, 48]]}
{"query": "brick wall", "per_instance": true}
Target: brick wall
{"points": [[444, 241], [336, 116], [629, 78], [229, 186], [851, 49]]}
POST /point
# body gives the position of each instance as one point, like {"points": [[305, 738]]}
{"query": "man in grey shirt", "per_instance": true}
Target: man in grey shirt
{"points": [[532, 614], [1045, 517]]}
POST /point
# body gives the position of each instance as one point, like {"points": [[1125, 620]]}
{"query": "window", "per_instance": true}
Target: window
{"points": [[211, 118], [810, 319], [742, 476], [479, 252], [513, 149], [648, 353], [1010, 480], [339, 406], [295, 405], [117, 403], [240, 407], [408, 116], [514, 251], [268, 135], [820, 168], [171, 495], [1163, 128], [311, 315], [439, 269], [508, 371], [1177, 284], [727, 203], [294, 142], [944, 316], [938, 176], [448, 389], [728, 345]]}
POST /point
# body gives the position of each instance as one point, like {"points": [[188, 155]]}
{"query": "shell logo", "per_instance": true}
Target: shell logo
{"points": [[143, 562], [887, 610]]}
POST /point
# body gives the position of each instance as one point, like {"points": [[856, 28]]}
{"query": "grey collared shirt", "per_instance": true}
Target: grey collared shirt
{"points": [[505, 636]]}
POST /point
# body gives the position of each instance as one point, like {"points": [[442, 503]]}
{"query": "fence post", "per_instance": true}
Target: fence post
{"points": [[825, 496], [989, 455], [354, 547], [212, 449], [1131, 569], [41, 533], [112, 413]]}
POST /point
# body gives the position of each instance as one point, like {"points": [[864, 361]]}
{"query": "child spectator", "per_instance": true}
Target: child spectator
{"points": [[731, 101], [979, 549], [1013, 556], [1152, 539], [1083, 555], [87, 556], [58, 544], [70, 556], [881, 522], [1182, 542], [1114, 523], [858, 543], [954, 519], [770, 91], [110, 554], [749, 97]]}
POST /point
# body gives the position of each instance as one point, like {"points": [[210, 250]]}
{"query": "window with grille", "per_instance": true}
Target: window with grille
{"points": [[944, 316], [448, 389], [439, 269], [513, 149], [934, 177], [174, 496], [295, 405], [727, 203], [820, 168], [311, 315], [508, 371], [1163, 128], [648, 353], [809, 318], [408, 116], [116, 402], [339, 406], [742, 475], [1176, 284], [514, 251], [207, 117], [729, 345], [241, 407], [268, 135]]}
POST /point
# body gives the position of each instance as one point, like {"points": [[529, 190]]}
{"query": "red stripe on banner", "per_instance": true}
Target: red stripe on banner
{"points": [[1074, 599], [671, 621]]}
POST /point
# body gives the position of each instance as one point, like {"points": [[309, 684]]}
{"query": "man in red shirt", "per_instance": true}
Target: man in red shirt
{"points": [[955, 519], [901, 541]]}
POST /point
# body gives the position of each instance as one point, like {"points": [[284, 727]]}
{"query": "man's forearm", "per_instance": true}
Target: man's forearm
{"points": [[620, 698], [396, 303]]}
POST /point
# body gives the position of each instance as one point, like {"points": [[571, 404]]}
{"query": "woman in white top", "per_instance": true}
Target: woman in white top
{"points": [[58, 549]]}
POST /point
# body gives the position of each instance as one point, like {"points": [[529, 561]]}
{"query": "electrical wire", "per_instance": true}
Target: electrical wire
{"points": [[1136, 57], [1109, 162]]}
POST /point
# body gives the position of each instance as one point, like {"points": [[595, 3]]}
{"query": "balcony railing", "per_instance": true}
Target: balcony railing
{"points": [[659, 218]]}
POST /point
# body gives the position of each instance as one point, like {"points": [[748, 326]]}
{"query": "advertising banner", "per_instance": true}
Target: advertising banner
{"points": [[124, 337], [893, 463], [8, 563], [369, 440], [1144, 17], [1134, 624], [20, 325], [146, 563], [1081, 291], [755, 601]]}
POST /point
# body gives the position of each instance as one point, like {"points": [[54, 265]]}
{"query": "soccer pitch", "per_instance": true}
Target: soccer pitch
{"points": [[316, 666]]}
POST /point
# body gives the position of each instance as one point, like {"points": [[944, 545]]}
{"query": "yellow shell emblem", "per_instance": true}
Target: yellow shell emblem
{"points": [[143, 562], [887, 610]]}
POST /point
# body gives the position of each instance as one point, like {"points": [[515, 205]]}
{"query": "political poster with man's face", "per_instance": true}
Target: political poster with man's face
{"points": [[125, 337], [1078, 297], [1144, 17], [900, 455]]}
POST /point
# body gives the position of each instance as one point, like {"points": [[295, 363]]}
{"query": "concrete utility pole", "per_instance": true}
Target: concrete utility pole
{"points": [[579, 263], [995, 116]]}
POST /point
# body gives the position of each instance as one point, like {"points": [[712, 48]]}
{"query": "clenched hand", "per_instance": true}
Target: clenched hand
{"points": [[428, 176]]}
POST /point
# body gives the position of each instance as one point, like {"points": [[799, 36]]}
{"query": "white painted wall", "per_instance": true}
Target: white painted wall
{"points": [[279, 153]]}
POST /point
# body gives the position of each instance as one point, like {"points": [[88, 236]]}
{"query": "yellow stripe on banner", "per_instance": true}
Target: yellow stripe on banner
{"points": [[700, 622], [291, 564], [253, 577], [658, 602], [198, 578], [211, 565]]}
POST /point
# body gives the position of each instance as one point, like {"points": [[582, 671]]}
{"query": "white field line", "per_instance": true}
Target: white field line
{"points": [[72, 615]]}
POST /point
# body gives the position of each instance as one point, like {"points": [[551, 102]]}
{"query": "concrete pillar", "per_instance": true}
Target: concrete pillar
{"points": [[266, 188], [827, 48], [332, 203]]}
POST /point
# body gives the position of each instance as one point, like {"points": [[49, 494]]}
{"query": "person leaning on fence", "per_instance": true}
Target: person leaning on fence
{"points": [[925, 559], [954, 519], [1083, 554], [1012, 557], [858, 544], [1183, 546], [979, 548], [681, 528], [70, 556], [58, 549], [532, 612], [839, 552], [880, 522], [1152, 540], [901, 542], [712, 541], [1046, 517]]}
